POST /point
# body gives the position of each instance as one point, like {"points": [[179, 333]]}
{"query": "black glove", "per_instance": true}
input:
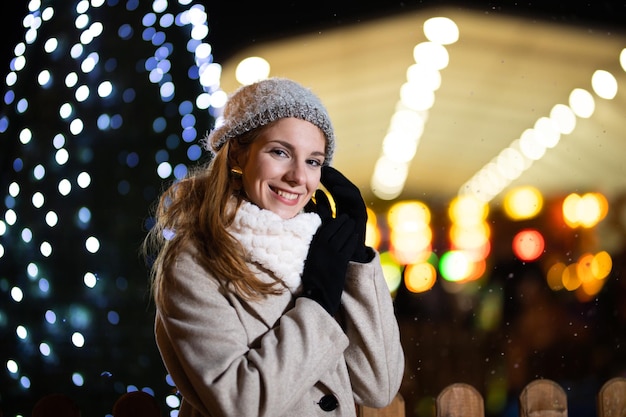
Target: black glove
{"points": [[348, 201], [324, 274]]}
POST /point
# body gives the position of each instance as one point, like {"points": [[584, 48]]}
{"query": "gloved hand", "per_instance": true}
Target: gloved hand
{"points": [[324, 274], [348, 201]]}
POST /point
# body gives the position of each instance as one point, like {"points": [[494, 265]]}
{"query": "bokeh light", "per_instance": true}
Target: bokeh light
{"points": [[411, 235], [420, 277], [584, 211], [455, 266], [252, 69], [373, 234], [523, 203], [528, 245], [392, 271]]}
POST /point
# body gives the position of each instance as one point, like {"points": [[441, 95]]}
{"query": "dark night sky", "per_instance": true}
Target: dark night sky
{"points": [[237, 24], [232, 29]]}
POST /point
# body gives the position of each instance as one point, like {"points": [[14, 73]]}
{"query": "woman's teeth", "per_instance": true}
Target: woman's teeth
{"points": [[288, 196]]}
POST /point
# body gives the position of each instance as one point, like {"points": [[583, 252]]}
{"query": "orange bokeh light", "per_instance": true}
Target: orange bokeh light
{"points": [[420, 277]]}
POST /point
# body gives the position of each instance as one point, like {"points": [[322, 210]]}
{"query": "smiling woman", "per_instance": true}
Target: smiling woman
{"points": [[267, 304]]}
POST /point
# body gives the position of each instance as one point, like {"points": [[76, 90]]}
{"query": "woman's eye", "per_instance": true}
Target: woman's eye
{"points": [[315, 162], [279, 152]]}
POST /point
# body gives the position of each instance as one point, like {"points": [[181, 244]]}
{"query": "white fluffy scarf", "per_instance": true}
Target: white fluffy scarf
{"points": [[276, 244]]}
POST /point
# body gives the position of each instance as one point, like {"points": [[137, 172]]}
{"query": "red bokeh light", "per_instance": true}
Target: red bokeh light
{"points": [[528, 245]]}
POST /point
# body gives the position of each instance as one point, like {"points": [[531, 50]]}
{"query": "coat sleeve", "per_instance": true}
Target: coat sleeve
{"points": [[375, 357], [205, 348]]}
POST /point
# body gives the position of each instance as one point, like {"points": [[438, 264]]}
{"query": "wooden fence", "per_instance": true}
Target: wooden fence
{"points": [[540, 398]]}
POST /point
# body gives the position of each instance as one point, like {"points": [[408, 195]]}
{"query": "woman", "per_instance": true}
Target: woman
{"points": [[267, 305]]}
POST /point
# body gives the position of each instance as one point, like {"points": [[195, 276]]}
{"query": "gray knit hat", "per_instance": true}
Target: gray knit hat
{"points": [[265, 101]]}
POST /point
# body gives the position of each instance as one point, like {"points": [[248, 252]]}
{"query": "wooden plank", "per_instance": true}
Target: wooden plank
{"points": [[460, 400], [395, 409], [543, 398], [612, 398]]}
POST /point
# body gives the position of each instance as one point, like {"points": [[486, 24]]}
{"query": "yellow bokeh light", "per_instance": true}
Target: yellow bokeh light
{"points": [[467, 210], [469, 232], [586, 211], [570, 211], [410, 237], [476, 254], [372, 231], [523, 203], [571, 280], [583, 268], [420, 277], [410, 248], [589, 210], [408, 214], [555, 276], [588, 289], [601, 202], [469, 237], [601, 265]]}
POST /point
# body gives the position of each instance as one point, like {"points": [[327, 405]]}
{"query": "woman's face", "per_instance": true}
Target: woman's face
{"points": [[283, 166]]}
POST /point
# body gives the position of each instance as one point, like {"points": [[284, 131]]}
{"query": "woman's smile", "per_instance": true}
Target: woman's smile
{"points": [[285, 194]]}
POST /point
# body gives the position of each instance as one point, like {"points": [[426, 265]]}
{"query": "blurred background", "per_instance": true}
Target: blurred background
{"points": [[487, 139]]}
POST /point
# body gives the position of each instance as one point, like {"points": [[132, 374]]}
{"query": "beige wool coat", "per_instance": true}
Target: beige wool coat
{"points": [[283, 356]]}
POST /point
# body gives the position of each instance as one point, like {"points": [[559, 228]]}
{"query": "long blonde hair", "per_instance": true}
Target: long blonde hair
{"points": [[196, 212]]}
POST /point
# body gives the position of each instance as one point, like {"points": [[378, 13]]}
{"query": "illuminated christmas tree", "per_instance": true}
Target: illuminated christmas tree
{"points": [[104, 103]]}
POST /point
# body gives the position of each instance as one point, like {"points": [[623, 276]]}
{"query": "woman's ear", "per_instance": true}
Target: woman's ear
{"points": [[236, 156], [233, 160]]}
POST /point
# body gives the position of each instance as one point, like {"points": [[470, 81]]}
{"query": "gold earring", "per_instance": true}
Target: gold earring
{"points": [[236, 172]]}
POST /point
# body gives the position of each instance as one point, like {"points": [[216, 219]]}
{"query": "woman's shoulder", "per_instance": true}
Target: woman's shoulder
{"points": [[188, 264]]}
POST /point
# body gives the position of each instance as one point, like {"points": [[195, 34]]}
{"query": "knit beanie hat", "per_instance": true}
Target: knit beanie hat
{"points": [[268, 100]]}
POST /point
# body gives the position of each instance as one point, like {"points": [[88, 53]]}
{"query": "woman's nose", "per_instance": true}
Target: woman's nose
{"points": [[296, 173]]}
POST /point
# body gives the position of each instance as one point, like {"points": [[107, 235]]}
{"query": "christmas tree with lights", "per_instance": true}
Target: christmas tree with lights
{"points": [[104, 104]]}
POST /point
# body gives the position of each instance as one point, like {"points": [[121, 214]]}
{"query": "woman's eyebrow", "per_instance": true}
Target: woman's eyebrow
{"points": [[289, 146]]}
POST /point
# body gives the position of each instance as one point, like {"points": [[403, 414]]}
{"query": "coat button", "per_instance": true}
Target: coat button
{"points": [[328, 402]]}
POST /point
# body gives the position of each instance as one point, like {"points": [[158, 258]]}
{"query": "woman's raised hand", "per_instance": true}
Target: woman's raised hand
{"points": [[349, 202], [324, 274]]}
